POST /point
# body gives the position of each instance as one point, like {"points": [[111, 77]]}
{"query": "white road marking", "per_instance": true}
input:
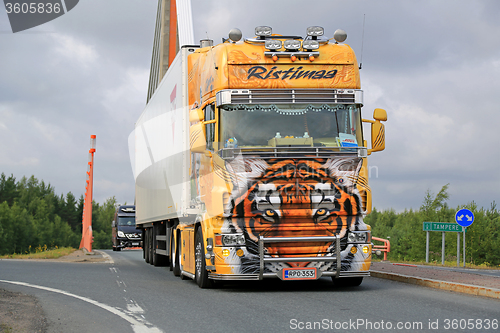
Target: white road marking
{"points": [[109, 260], [138, 325], [134, 307]]}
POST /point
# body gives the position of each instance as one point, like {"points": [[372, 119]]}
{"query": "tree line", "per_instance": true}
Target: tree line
{"points": [[32, 215], [405, 231]]}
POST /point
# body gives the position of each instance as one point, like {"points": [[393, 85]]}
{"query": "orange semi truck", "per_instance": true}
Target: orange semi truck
{"points": [[250, 161]]}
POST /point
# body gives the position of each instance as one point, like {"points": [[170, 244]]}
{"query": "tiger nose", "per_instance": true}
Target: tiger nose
{"points": [[297, 213]]}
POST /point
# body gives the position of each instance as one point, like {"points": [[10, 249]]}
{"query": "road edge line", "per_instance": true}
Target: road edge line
{"points": [[109, 260], [439, 284], [138, 325]]}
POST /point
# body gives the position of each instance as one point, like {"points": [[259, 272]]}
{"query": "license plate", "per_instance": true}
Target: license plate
{"points": [[135, 244], [299, 274]]}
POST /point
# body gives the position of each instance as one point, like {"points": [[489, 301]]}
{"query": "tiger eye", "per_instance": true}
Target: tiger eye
{"points": [[270, 212], [321, 211]]}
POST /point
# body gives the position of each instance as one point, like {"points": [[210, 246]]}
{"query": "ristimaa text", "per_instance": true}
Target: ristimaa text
{"points": [[262, 73]]}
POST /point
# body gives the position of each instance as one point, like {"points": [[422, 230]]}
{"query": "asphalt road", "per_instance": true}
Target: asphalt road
{"points": [[132, 296]]}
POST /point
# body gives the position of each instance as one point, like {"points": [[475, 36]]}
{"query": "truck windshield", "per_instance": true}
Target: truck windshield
{"points": [[272, 125], [129, 220]]}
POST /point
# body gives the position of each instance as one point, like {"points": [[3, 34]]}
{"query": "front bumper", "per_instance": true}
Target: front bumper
{"points": [[334, 257], [124, 242]]}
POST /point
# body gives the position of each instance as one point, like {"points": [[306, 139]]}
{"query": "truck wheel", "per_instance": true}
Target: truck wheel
{"points": [[174, 255], [201, 273], [150, 245], [347, 282]]}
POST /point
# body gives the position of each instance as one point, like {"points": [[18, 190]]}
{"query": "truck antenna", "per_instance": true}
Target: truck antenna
{"points": [[362, 42]]}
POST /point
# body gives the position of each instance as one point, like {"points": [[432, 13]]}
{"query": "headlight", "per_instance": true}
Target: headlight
{"points": [[310, 44], [263, 31], [292, 44], [315, 31], [273, 44], [358, 237], [121, 234], [230, 240]]}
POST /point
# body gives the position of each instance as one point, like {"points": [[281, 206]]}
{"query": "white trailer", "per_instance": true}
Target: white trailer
{"points": [[161, 160]]}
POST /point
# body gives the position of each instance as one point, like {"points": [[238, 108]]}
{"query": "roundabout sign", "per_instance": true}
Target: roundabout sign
{"points": [[464, 217]]}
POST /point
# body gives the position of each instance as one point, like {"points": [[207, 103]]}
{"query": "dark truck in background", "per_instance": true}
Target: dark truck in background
{"points": [[123, 231]]}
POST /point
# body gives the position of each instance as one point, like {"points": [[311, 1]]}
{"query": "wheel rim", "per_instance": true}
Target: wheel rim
{"points": [[173, 254], [198, 259]]}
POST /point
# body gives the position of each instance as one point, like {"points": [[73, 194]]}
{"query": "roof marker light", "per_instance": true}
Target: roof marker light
{"points": [[275, 57], [293, 57], [311, 58]]}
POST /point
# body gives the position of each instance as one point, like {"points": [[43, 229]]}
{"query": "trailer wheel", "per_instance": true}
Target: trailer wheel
{"points": [[174, 262], [201, 273], [151, 252], [347, 282]]}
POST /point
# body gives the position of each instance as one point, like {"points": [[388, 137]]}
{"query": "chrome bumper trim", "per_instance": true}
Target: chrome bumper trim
{"points": [[263, 260]]}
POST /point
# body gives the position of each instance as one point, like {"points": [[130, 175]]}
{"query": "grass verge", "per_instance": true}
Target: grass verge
{"points": [[48, 254]]}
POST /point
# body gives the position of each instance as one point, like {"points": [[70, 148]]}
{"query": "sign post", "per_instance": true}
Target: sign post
{"points": [[464, 218], [443, 227]]}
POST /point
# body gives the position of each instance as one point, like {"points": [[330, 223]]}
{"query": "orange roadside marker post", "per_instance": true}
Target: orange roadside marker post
{"points": [[87, 238]]}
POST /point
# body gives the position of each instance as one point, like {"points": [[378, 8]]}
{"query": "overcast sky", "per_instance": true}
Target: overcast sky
{"points": [[433, 65]]}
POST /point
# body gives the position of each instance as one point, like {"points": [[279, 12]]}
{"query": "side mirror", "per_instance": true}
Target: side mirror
{"points": [[378, 130], [196, 115], [197, 140], [380, 115]]}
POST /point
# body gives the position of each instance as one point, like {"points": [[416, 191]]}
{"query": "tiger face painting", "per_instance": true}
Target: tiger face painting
{"points": [[294, 198]]}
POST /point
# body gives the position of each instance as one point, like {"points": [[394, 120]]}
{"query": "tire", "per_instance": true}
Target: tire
{"points": [[118, 249], [114, 248], [150, 246], [201, 273], [347, 282], [174, 255]]}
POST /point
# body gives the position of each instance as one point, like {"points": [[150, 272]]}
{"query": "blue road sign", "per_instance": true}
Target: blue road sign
{"points": [[464, 217]]}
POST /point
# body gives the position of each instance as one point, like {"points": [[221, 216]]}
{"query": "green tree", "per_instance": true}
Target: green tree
{"points": [[6, 241], [8, 189]]}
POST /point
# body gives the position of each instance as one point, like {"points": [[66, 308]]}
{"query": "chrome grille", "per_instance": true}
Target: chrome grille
{"points": [[290, 96], [133, 236], [291, 152]]}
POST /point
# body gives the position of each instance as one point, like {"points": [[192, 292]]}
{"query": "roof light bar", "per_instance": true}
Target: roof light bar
{"points": [[263, 31], [315, 31], [310, 44], [273, 44], [292, 44]]}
